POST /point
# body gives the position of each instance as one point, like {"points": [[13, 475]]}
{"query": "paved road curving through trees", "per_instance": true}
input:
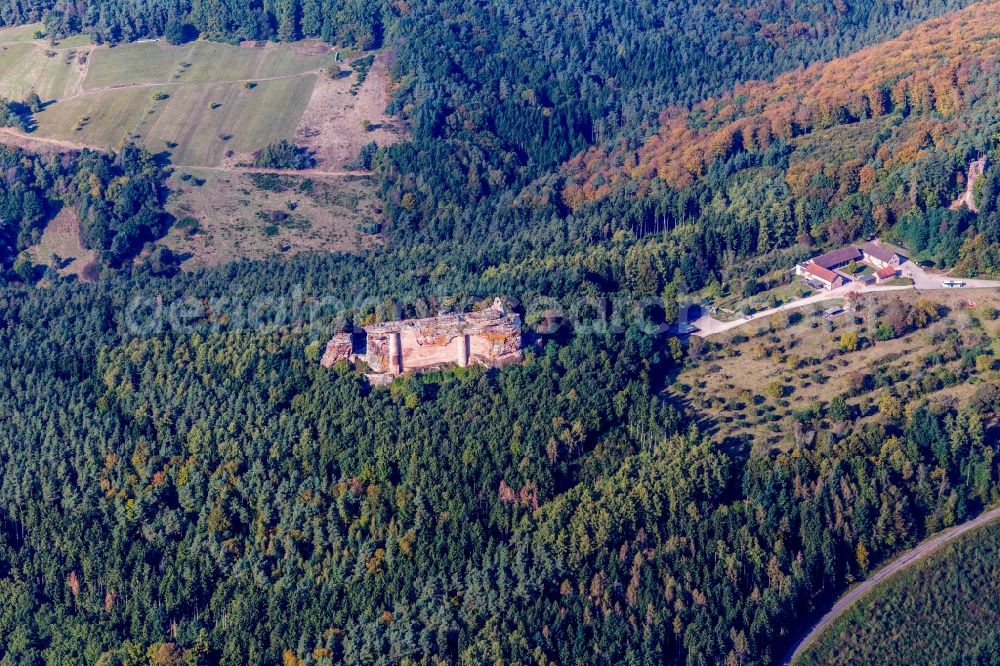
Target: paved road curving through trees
{"points": [[915, 554]]}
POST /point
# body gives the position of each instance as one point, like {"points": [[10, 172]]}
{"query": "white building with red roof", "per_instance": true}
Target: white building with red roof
{"points": [[824, 276]]}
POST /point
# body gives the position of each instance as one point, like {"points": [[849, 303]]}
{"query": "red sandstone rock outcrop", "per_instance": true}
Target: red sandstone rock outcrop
{"points": [[491, 337], [339, 347]]}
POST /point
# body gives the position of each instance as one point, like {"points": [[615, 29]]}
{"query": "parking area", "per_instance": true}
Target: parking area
{"points": [[925, 279]]}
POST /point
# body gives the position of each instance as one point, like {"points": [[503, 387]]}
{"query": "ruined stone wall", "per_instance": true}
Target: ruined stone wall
{"points": [[491, 337], [495, 347], [377, 355], [339, 347], [431, 349]]}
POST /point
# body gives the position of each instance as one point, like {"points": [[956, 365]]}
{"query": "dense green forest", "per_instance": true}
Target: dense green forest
{"points": [[915, 618], [498, 96], [350, 22], [861, 146], [213, 494]]}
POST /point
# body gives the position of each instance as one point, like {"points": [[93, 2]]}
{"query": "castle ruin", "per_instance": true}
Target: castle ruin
{"points": [[490, 337]]}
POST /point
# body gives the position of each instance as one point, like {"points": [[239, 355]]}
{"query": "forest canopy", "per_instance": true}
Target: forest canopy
{"points": [[118, 197], [202, 491]]}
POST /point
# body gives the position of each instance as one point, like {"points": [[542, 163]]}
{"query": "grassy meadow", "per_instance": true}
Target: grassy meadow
{"points": [[758, 381], [19, 33], [52, 73], [253, 216], [205, 121], [197, 62], [201, 101]]}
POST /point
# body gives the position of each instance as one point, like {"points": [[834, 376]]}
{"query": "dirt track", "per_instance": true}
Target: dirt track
{"points": [[906, 559], [708, 325], [41, 144], [312, 173], [46, 145], [967, 199], [922, 281]]}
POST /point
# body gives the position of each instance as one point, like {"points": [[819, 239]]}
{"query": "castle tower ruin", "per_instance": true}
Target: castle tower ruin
{"points": [[490, 337]]}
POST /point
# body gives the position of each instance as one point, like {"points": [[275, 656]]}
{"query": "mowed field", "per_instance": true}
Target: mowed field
{"points": [[198, 62], [26, 66], [205, 121], [201, 102]]}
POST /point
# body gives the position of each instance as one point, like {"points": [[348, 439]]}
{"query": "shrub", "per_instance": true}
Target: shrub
{"points": [[849, 342], [885, 332], [366, 156], [984, 363], [840, 411], [361, 67], [33, 102], [284, 155], [188, 225], [890, 407], [776, 390]]}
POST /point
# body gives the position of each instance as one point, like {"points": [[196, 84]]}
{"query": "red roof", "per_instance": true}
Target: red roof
{"points": [[820, 272], [885, 273]]}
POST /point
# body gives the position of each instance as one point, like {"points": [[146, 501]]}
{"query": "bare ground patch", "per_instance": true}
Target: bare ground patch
{"points": [[222, 217], [336, 123], [60, 245]]}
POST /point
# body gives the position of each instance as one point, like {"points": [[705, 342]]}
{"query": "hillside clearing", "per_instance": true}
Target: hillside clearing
{"points": [[240, 216], [60, 245], [801, 353], [336, 123]]}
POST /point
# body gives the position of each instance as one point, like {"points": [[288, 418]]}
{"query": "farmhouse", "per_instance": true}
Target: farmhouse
{"points": [[879, 257], [824, 277], [824, 271], [838, 258], [491, 337]]}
